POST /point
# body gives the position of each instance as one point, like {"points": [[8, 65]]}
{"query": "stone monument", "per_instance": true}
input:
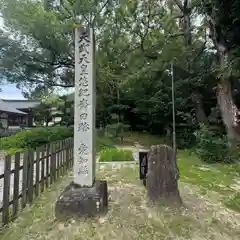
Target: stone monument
{"points": [[85, 196], [162, 176]]}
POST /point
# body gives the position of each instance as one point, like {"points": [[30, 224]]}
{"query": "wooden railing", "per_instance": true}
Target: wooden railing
{"points": [[26, 175]]}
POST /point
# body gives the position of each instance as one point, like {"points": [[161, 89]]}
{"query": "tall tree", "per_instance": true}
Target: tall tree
{"points": [[195, 49], [136, 41], [38, 47], [224, 25]]}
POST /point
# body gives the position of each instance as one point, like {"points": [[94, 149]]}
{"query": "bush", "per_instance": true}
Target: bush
{"points": [[115, 155], [117, 129], [33, 138], [212, 147], [185, 138], [12, 151], [104, 142]]}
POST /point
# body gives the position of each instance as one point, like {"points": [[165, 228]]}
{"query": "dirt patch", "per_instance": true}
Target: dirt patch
{"points": [[208, 210], [199, 218]]}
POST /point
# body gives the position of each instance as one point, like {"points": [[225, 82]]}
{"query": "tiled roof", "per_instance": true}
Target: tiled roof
{"points": [[6, 107], [22, 104]]}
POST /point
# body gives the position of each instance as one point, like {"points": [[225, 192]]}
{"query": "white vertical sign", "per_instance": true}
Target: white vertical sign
{"points": [[84, 116]]}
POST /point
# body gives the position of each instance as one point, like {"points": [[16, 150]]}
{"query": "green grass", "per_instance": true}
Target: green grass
{"points": [[209, 177], [105, 142], [234, 202], [142, 138], [115, 155], [130, 215]]}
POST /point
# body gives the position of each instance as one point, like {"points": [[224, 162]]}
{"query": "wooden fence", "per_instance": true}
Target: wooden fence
{"points": [[27, 175]]}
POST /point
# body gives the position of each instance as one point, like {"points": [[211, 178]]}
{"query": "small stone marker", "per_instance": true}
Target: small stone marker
{"points": [[84, 196], [163, 175]]}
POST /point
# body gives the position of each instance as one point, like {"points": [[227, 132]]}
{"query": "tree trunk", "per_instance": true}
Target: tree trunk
{"points": [[118, 102], [162, 176], [226, 104], [200, 113], [47, 121], [228, 111], [185, 24]]}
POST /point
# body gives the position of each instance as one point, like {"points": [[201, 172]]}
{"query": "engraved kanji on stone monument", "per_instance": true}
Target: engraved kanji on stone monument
{"points": [[83, 82], [84, 126], [83, 102], [84, 196], [83, 92]]}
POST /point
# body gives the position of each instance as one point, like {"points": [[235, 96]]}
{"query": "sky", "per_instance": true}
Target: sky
{"points": [[9, 91]]}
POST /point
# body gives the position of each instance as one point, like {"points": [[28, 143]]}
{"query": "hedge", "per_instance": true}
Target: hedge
{"points": [[36, 137], [33, 138]]}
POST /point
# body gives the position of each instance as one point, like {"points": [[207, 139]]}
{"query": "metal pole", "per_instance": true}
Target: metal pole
{"points": [[173, 110]]}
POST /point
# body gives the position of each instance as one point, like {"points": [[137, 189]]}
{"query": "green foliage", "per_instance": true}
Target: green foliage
{"points": [[115, 155], [42, 114], [185, 137], [104, 142], [125, 83], [133, 58], [117, 129], [66, 110], [212, 147], [53, 106], [35, 137], [12, 151]]}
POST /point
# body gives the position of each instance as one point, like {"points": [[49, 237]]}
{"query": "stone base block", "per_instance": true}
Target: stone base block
{"points": [[76, 201]]}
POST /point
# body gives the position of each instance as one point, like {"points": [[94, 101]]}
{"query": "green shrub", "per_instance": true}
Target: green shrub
{"points": [[117, 129], [100, 132], [211, 147], [33, 138], [104, 142], [115, 155], [185, 137], [12, 151]]}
